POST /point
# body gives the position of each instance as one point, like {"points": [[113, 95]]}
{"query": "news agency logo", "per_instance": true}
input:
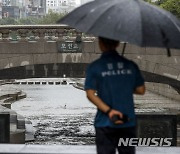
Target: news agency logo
{"points": [[144, 142]]}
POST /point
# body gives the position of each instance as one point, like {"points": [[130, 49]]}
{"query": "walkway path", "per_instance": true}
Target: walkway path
{"points": [[39, 149]]}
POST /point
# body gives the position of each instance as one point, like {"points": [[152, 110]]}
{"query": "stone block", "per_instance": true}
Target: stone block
{"points": [[17, 136], [88, 47], [5, 55], [60, 57], [157, 125], [136, 58], [175, 52], [13, 118], [50, 47], [45, 58], [166, 71], [4, 63], [177, 97], [149, 85], [86, 58], [146, 65], [76, 57], [176, 66], [156, 51], [131, 56], [96, 47], [133, 49], [20, 122], [22, 60], [36, 47], [69, 57], [14, 48], [163, 59]]}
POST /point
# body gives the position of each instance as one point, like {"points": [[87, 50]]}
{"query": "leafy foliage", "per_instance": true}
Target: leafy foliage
{"points": [[8, 21], [172, 6], [50, 18], [28, 21]]}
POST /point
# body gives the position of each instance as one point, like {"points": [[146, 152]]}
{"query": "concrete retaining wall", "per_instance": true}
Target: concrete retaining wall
{"points": [[17, 122], [42, 59]]}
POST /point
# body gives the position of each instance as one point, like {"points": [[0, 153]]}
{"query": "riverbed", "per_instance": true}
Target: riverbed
{"points": [[61, 114]]}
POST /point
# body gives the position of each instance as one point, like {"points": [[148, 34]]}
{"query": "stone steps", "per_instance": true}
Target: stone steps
{"points": [[17, 136], [64, 81], [44, 82], [20, 122], [17, 126]]}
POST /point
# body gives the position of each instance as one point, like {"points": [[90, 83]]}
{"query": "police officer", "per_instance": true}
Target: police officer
{"points": [[110, 84]]}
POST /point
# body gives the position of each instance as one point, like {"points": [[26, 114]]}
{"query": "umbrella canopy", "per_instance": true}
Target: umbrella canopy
{"points": [[132, 21]]}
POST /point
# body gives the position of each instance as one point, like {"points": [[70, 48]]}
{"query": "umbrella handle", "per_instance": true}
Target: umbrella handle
{"points": [[168, 52], [165, 42], [124, 47]]}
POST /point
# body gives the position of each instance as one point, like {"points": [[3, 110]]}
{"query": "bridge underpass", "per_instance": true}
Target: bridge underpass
{"points": [[49, 51]]}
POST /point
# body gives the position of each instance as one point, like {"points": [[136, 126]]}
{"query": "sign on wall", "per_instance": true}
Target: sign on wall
{"points": [[69, 47]]}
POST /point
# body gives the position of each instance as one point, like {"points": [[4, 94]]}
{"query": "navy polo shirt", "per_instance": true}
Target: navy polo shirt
{"points": [[114, 78]]}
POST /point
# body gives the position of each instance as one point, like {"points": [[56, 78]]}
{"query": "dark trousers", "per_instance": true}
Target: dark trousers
{"points": [[107, 140]]}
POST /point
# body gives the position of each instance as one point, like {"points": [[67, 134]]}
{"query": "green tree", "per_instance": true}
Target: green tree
{"points": [[8, 21], [51, 18], [28, 21], [149, 1], [172, 6], [159, 2]]}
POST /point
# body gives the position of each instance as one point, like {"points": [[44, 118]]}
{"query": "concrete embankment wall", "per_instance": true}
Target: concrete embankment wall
{"points": [[43, 59], [158, 88], [164, 90], [17, 122]]}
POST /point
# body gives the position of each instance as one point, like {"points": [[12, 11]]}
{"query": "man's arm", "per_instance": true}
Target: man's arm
{"points": [[140, 90], [101, 105]]}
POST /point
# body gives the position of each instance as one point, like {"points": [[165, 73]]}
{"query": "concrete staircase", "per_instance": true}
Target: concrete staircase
{"points": [[17, 126], [17, 122]]}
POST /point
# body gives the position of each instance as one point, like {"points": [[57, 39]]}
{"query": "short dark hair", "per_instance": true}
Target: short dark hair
{"points": [[109, 43]]}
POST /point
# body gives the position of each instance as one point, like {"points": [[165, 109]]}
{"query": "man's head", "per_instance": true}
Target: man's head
{"points": [[107, 44]]}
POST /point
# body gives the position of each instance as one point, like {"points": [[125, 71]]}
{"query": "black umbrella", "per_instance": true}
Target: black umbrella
{"points": [[132, 21]]}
